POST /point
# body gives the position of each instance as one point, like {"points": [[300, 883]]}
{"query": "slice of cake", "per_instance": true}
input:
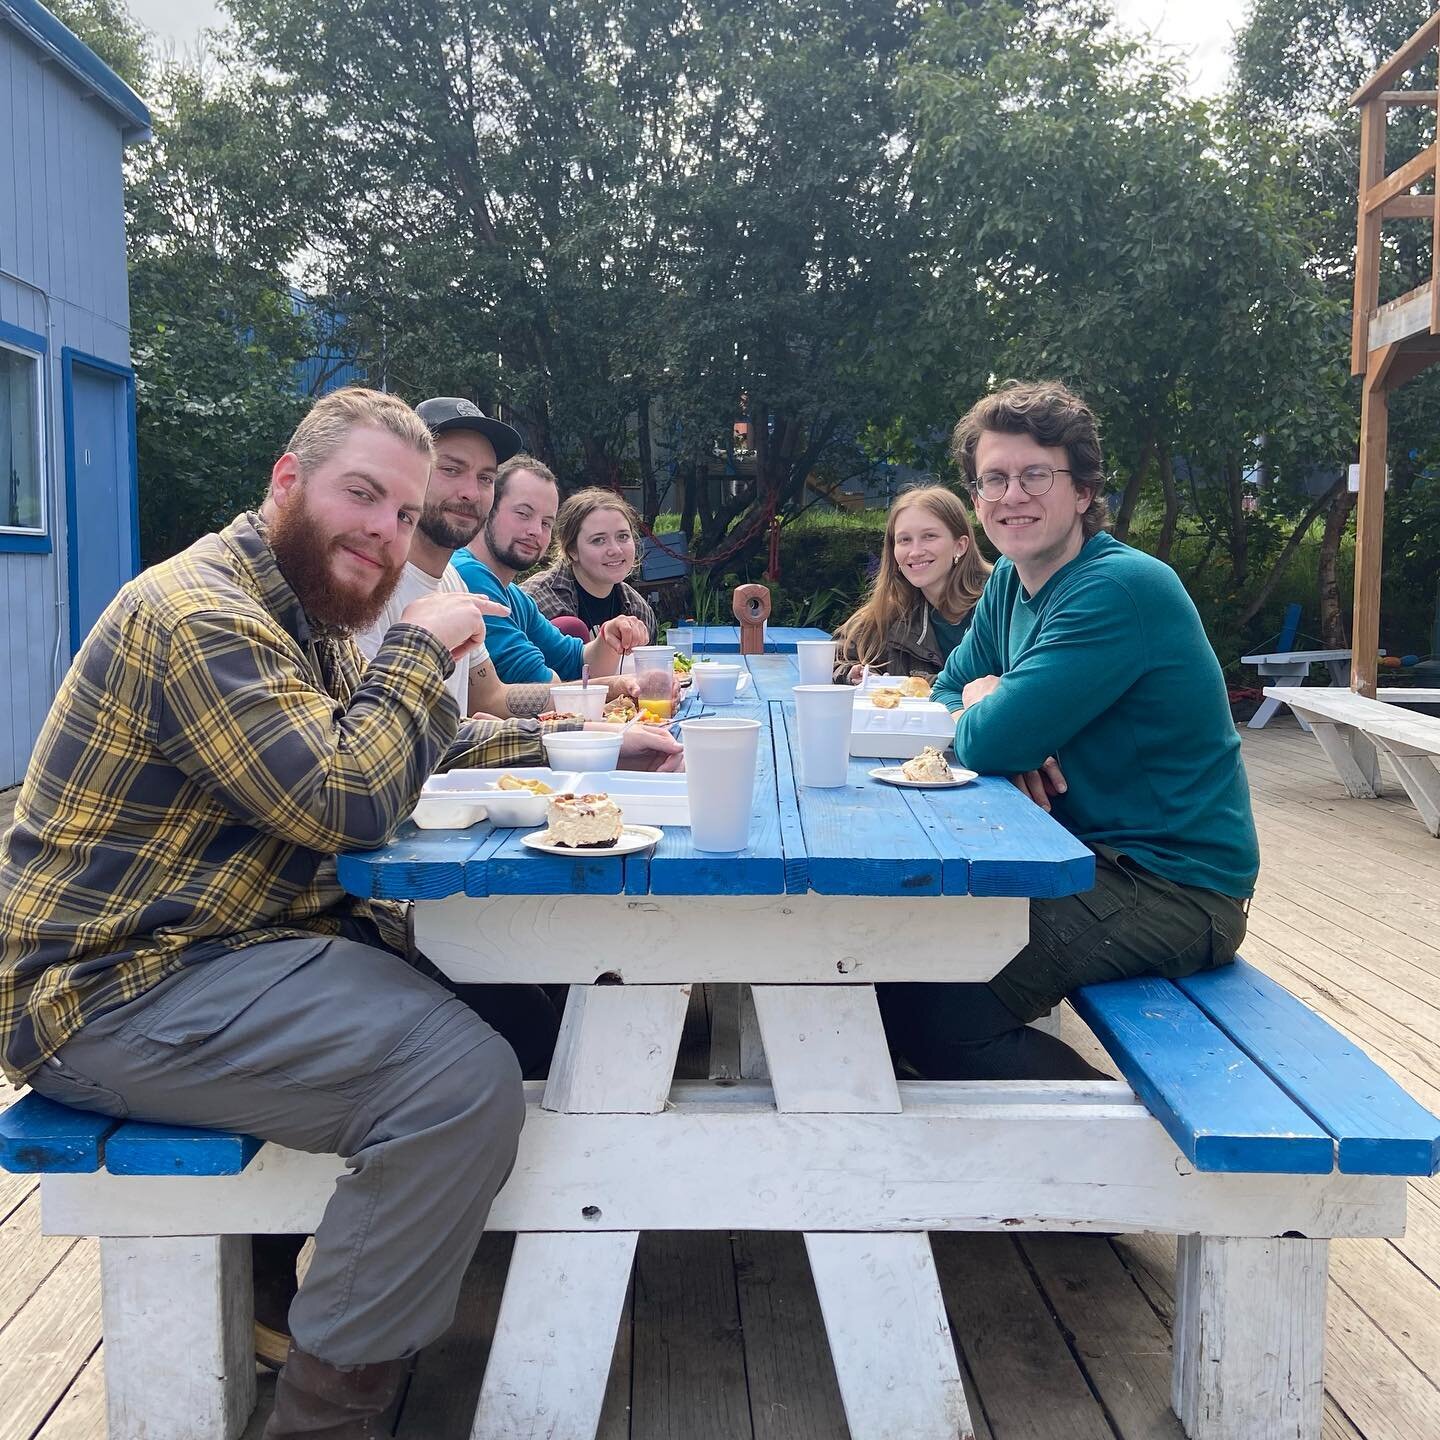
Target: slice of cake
{"points": [[929, 764], [583, 822]]}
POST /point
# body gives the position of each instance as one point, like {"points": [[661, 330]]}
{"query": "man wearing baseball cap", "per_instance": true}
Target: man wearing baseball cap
{"points": [[469, 445]]}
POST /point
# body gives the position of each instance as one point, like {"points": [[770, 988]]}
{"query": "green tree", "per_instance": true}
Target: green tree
{"points": [[1088, 221], [625, 221], [1297, 62], [219, 206], [110, 30]]}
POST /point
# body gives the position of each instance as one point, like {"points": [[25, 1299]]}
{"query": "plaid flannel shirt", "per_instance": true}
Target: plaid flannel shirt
{"points": [[208, 753], [554, 592]]}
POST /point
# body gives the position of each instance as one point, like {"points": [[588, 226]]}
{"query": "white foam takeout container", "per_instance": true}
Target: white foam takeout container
{"points": [[459, 798], [643, 798], [902, 733]]}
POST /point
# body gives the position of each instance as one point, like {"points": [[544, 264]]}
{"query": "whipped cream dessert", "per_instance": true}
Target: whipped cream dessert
{"points": [[583, 822], [929, 764]]}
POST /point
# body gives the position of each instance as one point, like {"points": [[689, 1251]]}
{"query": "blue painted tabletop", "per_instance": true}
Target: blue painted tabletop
{"points": [[863, 838], [725, 639]]}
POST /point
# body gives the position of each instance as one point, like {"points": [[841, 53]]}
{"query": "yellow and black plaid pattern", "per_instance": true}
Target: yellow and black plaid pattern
{"points": [[207, 755]]}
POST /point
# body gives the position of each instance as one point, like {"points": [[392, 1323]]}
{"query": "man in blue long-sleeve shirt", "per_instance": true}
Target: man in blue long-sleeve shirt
{"points": [[1087, 676]]}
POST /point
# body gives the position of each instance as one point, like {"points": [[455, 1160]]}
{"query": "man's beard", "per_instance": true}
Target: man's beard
{"points": [[511, 559], [303, 552], [449, 531]]}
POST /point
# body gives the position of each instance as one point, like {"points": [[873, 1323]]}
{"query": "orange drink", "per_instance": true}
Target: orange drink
{"points": [[660, 708]]}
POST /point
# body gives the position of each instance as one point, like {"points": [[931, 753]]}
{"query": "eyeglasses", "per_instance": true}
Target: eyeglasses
{"points": [[1034, 480]]}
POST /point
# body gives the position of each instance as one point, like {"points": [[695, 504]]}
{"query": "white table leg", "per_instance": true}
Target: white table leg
{"points": [[1352, 753], [1250, 1338], [555, 1338], [885, 1318], [1421, 779], [880, 1294], [555, 1335], [179, 1323], [1288, 675], [616, 1050]]}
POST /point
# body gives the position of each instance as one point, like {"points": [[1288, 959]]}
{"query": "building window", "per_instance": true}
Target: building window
{"points": [[22, 488]]}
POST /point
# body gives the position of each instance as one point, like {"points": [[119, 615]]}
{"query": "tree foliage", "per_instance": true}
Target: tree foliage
{"points": [[631, 222], [636, 223]]}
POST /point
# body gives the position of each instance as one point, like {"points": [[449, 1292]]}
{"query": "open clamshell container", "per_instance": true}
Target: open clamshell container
{"points": [[901, 733], [458, 798]]}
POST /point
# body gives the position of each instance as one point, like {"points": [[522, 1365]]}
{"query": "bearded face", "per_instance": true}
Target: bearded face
{"points": [[449, 524], [340, 579]]}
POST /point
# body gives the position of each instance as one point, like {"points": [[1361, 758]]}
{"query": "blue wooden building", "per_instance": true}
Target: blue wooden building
{"points": [[68, 529]]}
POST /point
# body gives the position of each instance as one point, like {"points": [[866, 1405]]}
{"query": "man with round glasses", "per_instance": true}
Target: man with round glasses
{"points": [[1087, 677]]}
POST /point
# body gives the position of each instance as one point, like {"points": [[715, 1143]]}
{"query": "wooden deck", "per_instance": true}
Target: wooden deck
{"points": [[1060, 1336]]}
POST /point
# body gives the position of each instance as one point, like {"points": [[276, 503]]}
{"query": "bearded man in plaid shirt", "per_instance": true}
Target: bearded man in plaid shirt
{"points": [[174, 944]]}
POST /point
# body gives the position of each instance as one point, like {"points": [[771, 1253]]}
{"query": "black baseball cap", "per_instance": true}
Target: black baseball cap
{"points": [[450, 412]]}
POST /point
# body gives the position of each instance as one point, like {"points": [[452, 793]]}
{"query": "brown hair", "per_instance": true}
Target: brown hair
{"points": [[1052, 415], [864, 634], [332, 417], [513, 466], [578, 508]]}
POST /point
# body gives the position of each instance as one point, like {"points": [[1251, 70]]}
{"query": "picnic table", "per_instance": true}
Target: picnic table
{"points": [[1288, 668], [837, 889]]}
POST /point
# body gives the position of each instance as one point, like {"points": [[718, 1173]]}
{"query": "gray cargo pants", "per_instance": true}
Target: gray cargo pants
{"points": [[332, 1047]]}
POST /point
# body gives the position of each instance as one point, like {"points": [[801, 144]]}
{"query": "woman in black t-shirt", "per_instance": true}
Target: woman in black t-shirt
{"points": [[596, 534]]}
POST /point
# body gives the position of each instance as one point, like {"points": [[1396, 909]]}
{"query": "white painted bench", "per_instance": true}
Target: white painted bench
{"points": [[1287, 668], [1352, 729], [1248, 1127]]}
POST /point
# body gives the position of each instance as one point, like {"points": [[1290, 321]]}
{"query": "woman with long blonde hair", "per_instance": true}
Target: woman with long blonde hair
{"points": [[919, 607]]}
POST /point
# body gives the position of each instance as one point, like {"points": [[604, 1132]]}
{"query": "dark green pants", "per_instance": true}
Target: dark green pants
{"points": [[1132, 923]]}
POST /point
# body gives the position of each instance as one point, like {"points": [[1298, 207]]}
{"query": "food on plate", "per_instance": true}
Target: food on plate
{"points": [[885, 699], [621, 710], [561, 715], [917, 687], [514, 782], [583, 822], [929, 764], [683, 664]]}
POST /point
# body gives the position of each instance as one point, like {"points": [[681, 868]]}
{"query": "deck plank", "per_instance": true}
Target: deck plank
{"points": [[49, 1340], [689, 1362], [80, 1415], [1118, 1340], [1028, 1381], [793, 1391], [27, 1257]]}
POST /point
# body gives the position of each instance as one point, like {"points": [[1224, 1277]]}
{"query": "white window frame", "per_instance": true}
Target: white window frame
{"points": [[38, 356]]}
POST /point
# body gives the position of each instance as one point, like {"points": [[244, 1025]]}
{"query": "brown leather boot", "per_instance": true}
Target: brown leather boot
{"points": [[338, 1403]]}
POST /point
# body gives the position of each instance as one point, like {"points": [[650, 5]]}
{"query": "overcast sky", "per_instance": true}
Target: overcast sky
{"points": [[1200, 32]]}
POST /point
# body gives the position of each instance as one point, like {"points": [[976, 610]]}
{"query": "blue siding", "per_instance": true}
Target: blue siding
{"points": [[62, 229]]}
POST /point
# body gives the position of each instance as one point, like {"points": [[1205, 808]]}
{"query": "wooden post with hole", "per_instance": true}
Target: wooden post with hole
{"points": [[752, 610]]}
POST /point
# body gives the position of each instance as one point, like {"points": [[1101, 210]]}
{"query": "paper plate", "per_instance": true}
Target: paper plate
{"points": [[895, 775], [632, 838]]}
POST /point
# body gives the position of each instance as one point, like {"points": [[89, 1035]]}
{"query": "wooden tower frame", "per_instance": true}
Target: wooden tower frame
{"points": [[1389, 343]]}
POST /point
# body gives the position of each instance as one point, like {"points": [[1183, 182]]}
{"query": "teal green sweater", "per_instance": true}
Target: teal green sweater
{"points": [[1108, 669]]}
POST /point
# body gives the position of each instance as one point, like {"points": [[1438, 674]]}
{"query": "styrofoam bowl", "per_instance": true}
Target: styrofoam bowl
{"points": [[445, 812], [517, 808], [583, 749]]}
